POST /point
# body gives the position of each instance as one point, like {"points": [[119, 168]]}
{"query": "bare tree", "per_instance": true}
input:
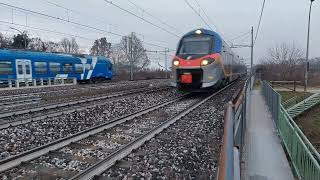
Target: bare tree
{"points": [[5, 42], [37, 44], [140, 57], [52, 46], [101, 47], [284, 62], [69, 46]]}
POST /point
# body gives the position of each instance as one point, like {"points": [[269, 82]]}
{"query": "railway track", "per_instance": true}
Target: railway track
{"points": [[36, 114], [46, 90], [91, 152], [33, 101]]}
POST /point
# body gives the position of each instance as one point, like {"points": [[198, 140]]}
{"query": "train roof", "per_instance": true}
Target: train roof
{"points": [[205, 32], [48, 55]]}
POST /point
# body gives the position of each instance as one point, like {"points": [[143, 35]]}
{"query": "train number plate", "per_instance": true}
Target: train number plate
{"points": [[186, 78]]}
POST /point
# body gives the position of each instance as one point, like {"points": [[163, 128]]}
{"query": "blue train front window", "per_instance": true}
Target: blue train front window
{"points": [[196, 45]]}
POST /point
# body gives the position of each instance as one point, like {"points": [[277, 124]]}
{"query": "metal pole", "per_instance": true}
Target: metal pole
{"points": [[131, 56], [251, 68], [307, 53], [166, 61]]}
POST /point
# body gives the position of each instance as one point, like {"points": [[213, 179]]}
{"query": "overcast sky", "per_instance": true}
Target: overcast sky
{"points": [[284, 21]]}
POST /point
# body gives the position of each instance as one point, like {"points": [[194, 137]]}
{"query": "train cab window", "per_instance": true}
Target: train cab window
{"points": [[67, 68], [79, 68], [6, 67], [54, 68], [40, 68], [196, 45]]}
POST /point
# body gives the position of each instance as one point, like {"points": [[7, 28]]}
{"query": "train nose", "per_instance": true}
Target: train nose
{"points": [[186, 78]]}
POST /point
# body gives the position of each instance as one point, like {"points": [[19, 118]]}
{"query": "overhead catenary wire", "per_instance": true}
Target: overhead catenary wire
{"points": [[45, 30], [241, 35], [260, 19], [71, 22], [153, 16], [198, 14], [143, 19], [207, 16], [94, 17]]}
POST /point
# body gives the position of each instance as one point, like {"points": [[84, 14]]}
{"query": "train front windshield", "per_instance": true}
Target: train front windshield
{"points": [[195, 45]]}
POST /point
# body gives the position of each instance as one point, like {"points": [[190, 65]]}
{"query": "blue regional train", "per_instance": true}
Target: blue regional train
{"points": [[27, 65]]}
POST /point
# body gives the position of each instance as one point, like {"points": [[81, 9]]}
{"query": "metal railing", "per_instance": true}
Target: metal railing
{"points": [[234, 135], [18, 83], [304, 105], [303, 156]]}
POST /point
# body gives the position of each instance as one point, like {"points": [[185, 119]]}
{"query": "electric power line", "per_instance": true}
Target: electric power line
{"points": [[205, 13], [68, 21], [262, 10], [143, 19], [45, 30], [195, 11], [160, 20], [241, 35]]}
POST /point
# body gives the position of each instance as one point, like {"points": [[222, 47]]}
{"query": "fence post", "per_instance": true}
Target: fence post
{"points": [[41, 81], [62, 81], [34, 82], [74, 81], [17, 83], [10, 83], [49, 82], [26, 81]]}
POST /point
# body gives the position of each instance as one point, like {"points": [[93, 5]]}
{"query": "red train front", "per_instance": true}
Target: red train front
{"points": [[203, 60]]}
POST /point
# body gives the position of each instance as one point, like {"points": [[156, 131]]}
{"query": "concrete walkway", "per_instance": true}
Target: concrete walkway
{"points": [[265, 157]]}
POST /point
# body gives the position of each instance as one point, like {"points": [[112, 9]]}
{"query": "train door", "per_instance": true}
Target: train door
{"points": [[24, 70]]}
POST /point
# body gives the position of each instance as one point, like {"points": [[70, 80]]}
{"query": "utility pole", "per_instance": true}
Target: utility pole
{"points": [[251, 68], [131, 56], [306, 74], [166, 50]]}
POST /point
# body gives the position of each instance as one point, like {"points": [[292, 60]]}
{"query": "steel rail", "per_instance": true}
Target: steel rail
{"points": [[54, 106], [109, 161], [16, 160], [99, 86], [8, 103], [17, 122]]}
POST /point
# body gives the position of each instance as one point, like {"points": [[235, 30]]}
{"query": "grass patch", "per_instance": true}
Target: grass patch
{"points": [[309, 122], [286, 95]]}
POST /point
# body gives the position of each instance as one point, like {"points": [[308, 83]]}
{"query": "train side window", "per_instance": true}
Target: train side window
{"points": [[54, 68], [41, 68], [89, 67], [67, 68], [6, 68], [79, 68], [28, 69]]}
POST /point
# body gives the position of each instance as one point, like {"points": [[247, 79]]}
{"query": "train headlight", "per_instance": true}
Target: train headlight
{"points": [[206, 62], [176, 62]]}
